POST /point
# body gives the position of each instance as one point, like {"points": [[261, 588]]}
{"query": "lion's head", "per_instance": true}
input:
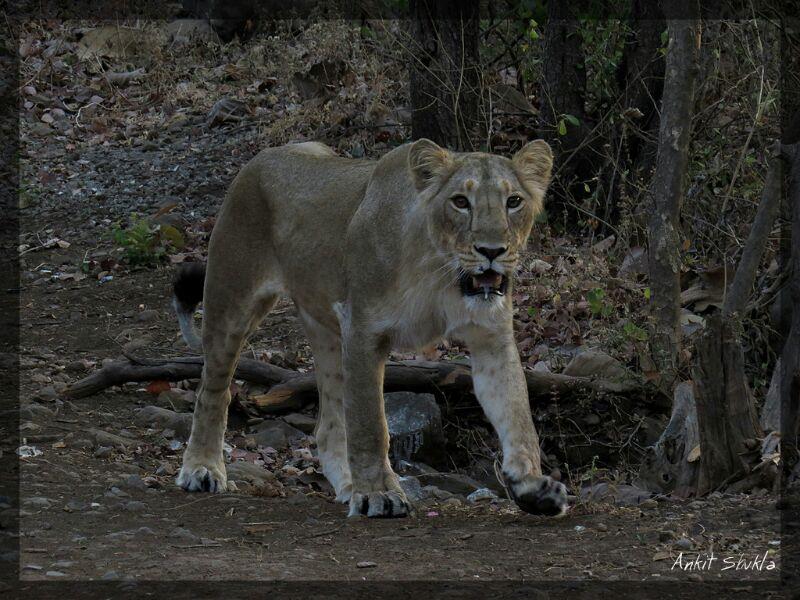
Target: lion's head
{"points": [[480, 208]]}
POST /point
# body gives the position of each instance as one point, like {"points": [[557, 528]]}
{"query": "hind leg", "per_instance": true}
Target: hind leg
{"points": [[229, 316], [330, 431]]}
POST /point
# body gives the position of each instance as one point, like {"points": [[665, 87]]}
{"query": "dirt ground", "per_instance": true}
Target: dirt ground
{"points": [[99, 501]]}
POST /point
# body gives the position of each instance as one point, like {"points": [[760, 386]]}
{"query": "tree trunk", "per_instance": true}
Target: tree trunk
{"points": [[563, 91], [446, 83], [726, 414], [640, 78], [643, 71], [668, 188], [670, 465], [738, 294]]}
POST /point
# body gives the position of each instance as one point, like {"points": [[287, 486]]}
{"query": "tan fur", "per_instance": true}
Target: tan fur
{"points": [[371, 252]]}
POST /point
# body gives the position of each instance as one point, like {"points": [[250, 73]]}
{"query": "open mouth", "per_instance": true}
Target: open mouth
{"points": [[488, 283]]}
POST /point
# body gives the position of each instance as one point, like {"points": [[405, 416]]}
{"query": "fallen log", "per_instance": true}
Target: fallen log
{"points": [[170, 369], [291, 390]]}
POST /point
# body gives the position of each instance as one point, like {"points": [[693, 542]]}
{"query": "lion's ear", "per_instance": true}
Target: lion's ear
{"points": [[534, 164], [427, 162]]}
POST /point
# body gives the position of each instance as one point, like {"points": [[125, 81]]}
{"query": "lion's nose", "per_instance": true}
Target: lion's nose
{"points": [[490, 253]]}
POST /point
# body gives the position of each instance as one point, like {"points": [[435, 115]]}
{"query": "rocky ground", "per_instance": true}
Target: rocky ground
{"points": [[98, 499]]}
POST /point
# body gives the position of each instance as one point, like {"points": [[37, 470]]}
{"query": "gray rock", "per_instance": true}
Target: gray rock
{"points": [[184, 534], [182, 31], [115, 492], [455, 483], [164, 418], [104, 438], [275, 434], [135, 482], [249, 473], [147, 316], [415, 428], [431, 491], [177, 399], [621, 494], [413, 489], [103, 451], [594, 363], [76, 506], [37, 501], [302, 422], [134, 506], [34, 411], [109, 575], [684, 544], [62, 564], [47, 394], [78, 366], [482, 495]]}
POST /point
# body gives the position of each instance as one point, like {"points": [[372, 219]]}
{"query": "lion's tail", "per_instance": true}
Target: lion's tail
{"points": [[187, 293]]}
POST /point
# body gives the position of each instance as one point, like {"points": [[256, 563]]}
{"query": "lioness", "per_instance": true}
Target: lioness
{"points": [[393, 254]]}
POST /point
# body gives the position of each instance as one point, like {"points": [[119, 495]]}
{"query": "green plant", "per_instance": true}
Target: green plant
{"points": [[634, 332], [597, 306], [563, 120], [145, 243]]}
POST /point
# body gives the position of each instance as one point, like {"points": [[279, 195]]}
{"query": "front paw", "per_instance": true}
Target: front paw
{"points": [[385, 504], [202, 476], [540, 495]]}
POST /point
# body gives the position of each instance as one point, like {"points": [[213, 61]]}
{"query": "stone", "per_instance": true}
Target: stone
{"points": [[302, 422], [103, 451], [37, 501], [147, 316], [276, 434], [415, 428], [76, 506], [249, 473], [177, 399], [182, 533], [619, 494], [47, 394], [594, 363], [183, 31], [482, 495], [78, 366], [34, 412], [431, 491], [413, 489], [684, 544], [164, 418], [135, 482], [134, 506], [455, 483], [104, 438]]}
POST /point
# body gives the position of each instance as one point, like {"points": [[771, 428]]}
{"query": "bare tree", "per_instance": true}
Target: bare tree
{"points": [[667, 192], [563, 92], [641, 77], [445, 74]]}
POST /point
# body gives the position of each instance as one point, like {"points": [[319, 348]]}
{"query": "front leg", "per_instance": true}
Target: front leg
{"points": [[376, 489], [500, 387]]}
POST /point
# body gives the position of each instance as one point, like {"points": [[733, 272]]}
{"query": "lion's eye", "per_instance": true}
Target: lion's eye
{"points": [[460, 202], [514, 201]]}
